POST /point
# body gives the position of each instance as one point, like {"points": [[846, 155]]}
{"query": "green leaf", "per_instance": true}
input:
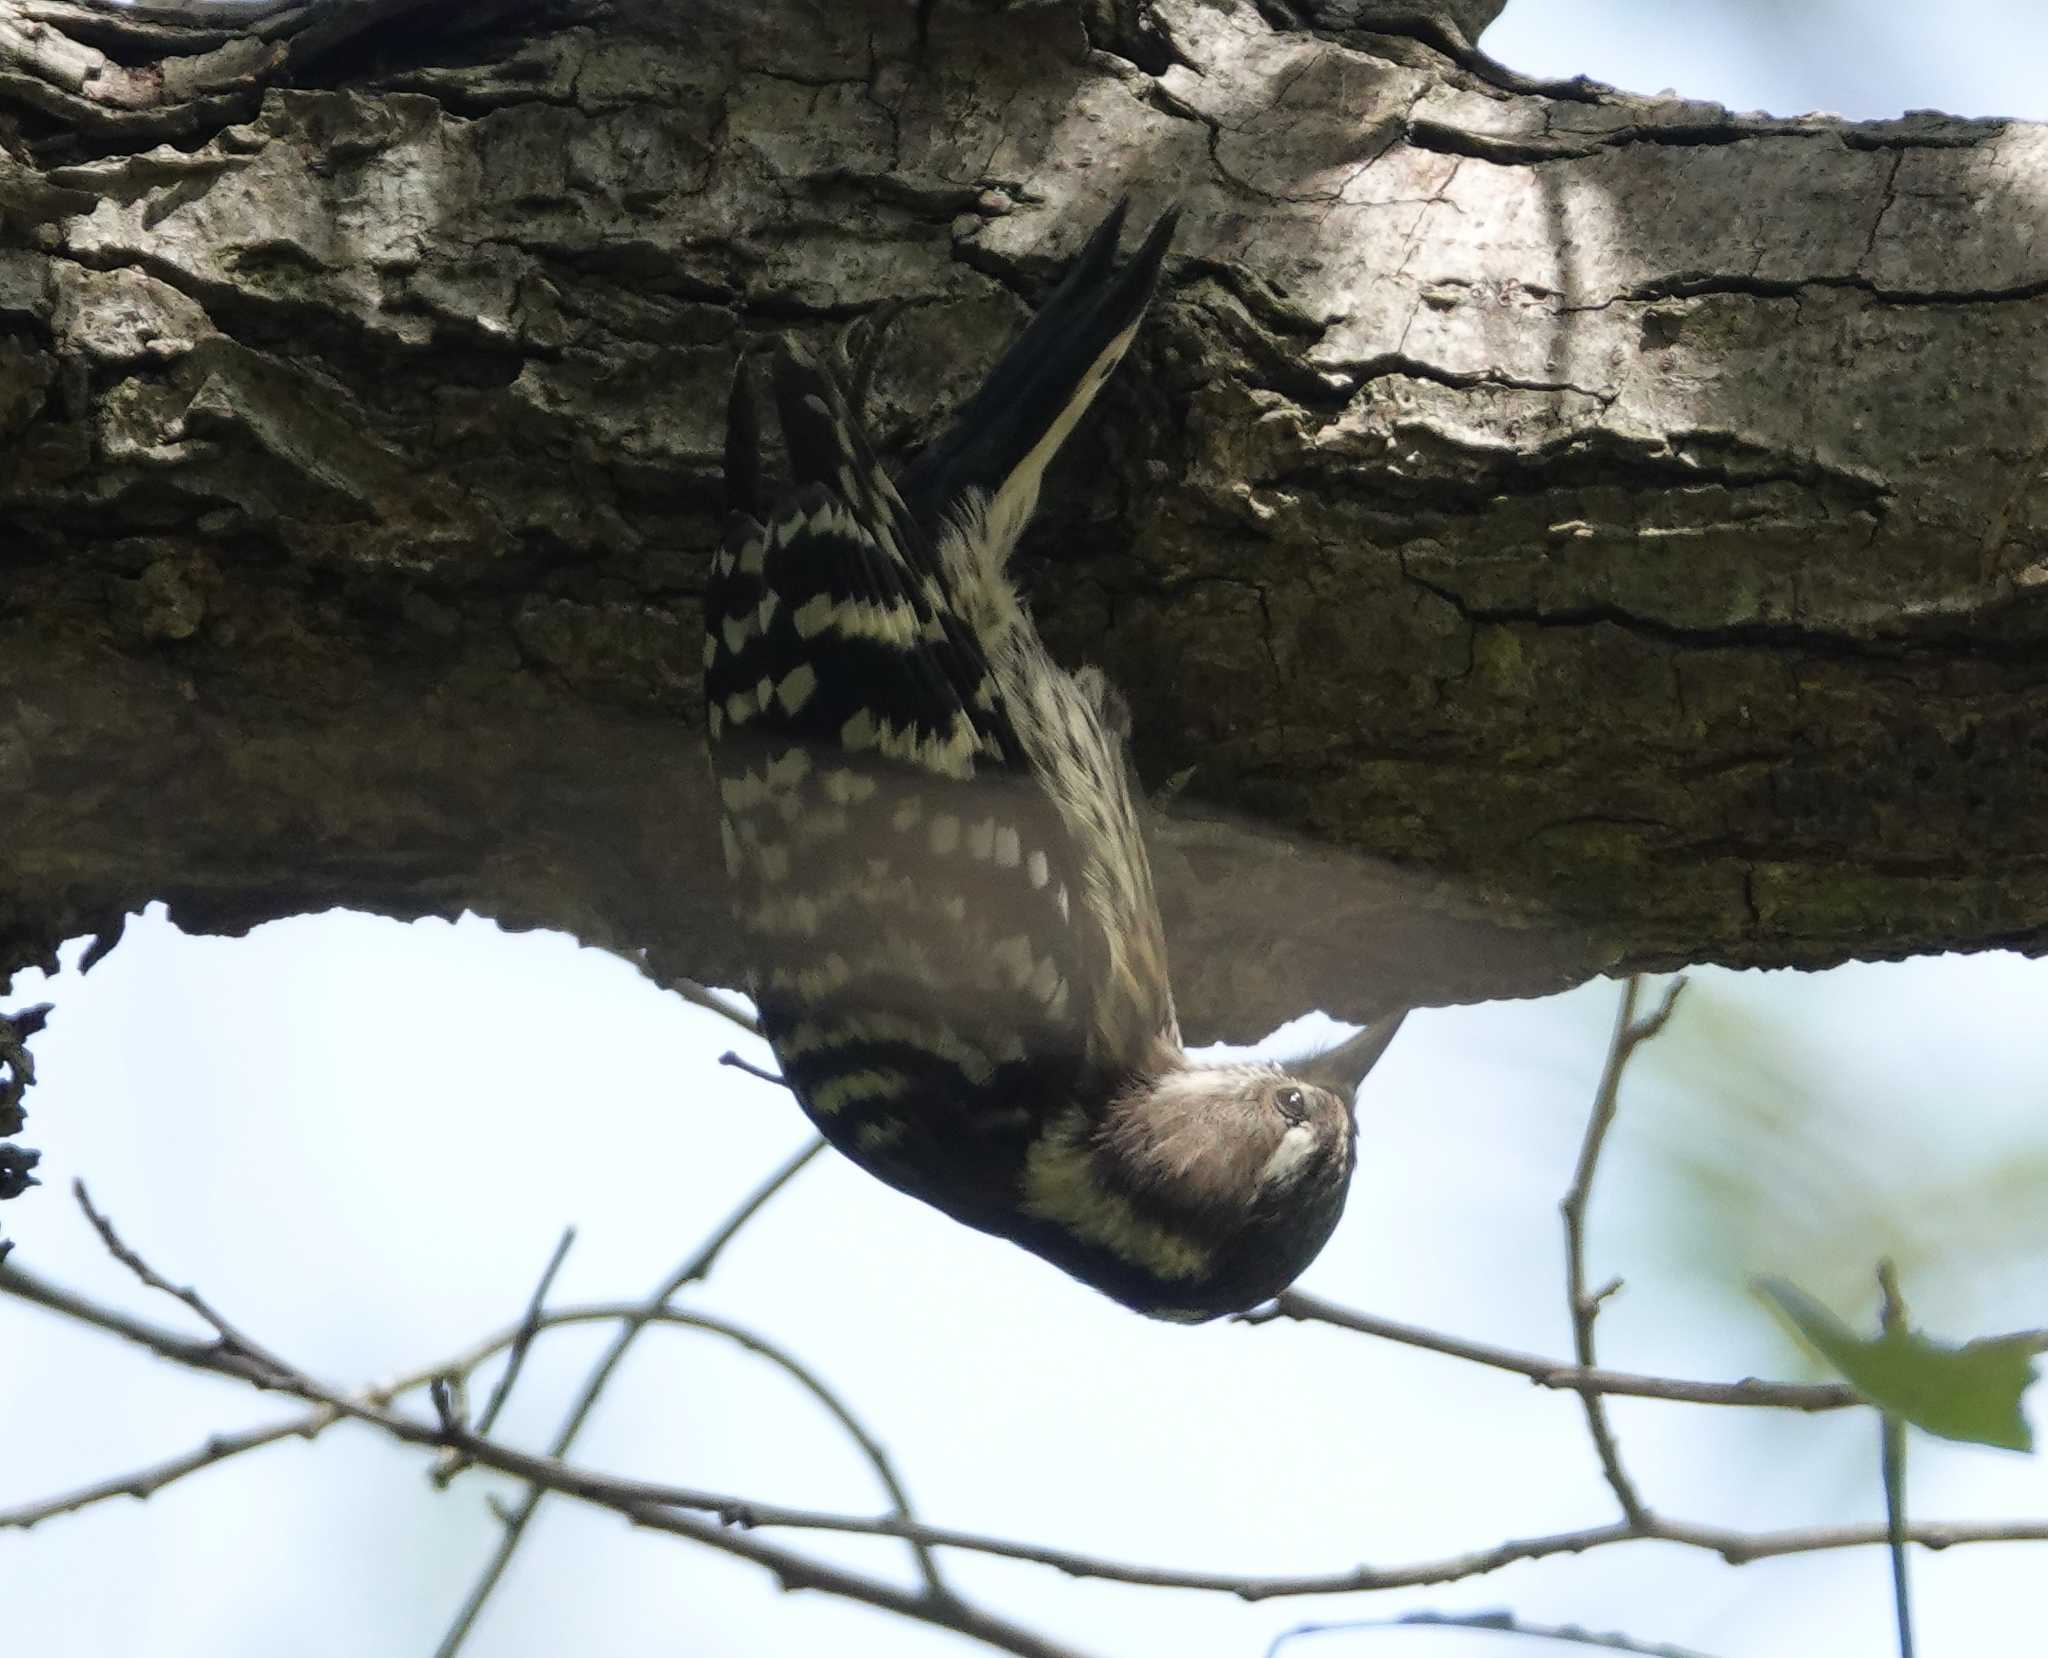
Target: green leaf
{"points": [[1971, 1392]]}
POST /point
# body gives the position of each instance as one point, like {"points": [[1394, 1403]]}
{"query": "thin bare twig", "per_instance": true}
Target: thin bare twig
{"points": [[448, 1410], [705, 997], [807, 1378], [799, 1372], [236, 1343], [529, 1327], [656, 1506], [24, 1285], [935, 1604], [1736, 1548], [1555, 1373], [219, 1448], [735, 1062], [1892, 1464], [1630, 1033], [1892, 1432], [652, 1505], [697, 1266], [794, 1572], [639, 1499], [1498, 1623], [146, 1482], [249, 1359]]}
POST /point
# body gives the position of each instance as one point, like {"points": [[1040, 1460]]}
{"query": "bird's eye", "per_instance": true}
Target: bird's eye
{"points": [[1293, 1104]]}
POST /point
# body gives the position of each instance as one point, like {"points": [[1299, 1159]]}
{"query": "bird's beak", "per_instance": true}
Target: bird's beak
{"points": [[1345, 1067]]}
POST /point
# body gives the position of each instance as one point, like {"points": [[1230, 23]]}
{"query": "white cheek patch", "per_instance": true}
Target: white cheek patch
{"points": [[1294, 1149]]}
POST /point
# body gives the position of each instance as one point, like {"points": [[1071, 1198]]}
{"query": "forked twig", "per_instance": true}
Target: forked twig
{"points": [[1630, 1033]]}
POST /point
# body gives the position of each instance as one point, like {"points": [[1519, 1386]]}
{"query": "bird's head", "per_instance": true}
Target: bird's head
{"points": [[1250, 1162]]}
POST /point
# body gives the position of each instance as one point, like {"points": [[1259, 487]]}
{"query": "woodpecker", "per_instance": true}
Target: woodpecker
{"points": [[935, 857]]}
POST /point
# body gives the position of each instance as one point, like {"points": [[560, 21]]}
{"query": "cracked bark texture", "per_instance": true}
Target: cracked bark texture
{"points": [[1546, 530]]}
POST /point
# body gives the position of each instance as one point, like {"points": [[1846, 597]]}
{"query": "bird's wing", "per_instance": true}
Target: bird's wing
{"points": [[911, 899], [975, 487]]}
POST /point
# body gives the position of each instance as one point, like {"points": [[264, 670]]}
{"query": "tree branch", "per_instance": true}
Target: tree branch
{"points": [[220, 1448], [1630, 1033], [1502, 1623], [936, 1604], [146, 1482], [694, 1268], [651, 1505], [1324, 440], [515, 1357], [1554, 1373]]}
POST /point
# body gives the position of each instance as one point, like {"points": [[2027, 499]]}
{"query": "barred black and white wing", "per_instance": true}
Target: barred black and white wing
{"points": [[927, 825]]}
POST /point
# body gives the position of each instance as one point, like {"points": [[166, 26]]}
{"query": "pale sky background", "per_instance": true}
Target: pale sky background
{"points": [[362, 1139]]}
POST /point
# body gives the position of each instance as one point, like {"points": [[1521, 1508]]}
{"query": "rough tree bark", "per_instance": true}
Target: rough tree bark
{"points": [[1551, 529]]}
